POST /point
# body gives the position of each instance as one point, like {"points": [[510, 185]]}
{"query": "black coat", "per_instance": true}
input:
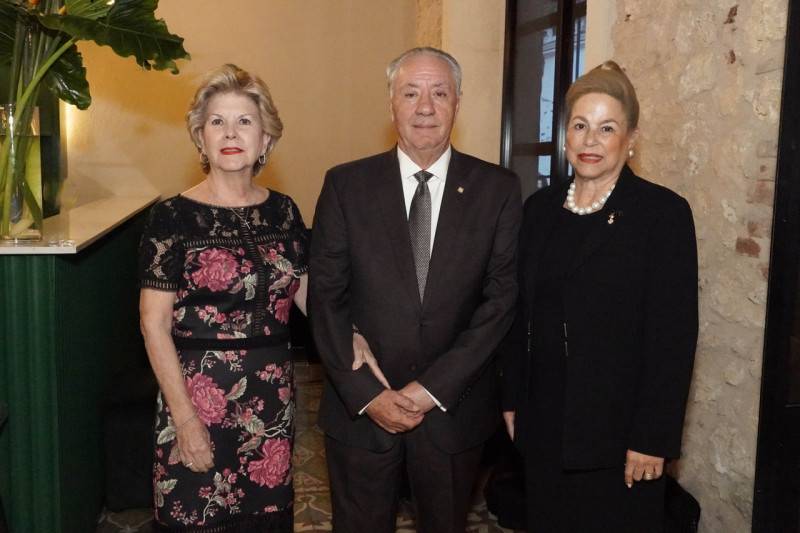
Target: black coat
{"points": [[361, 272], [630, 306]]}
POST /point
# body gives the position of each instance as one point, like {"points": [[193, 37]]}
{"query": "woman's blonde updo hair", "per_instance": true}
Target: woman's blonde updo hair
{"points": [[609, 79], [231, 79]]}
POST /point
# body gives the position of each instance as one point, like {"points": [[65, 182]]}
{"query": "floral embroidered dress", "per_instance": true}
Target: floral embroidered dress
{"points": [[234, 272]]}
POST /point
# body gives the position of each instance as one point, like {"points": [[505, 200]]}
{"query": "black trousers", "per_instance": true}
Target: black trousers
{"points": [[365, 485]]}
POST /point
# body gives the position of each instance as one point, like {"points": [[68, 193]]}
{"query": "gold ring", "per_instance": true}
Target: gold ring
{"points": [[648, 477], [189, 464]]}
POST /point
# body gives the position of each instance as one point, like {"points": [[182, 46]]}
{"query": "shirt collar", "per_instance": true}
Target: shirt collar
{"points": [[439, 169]]}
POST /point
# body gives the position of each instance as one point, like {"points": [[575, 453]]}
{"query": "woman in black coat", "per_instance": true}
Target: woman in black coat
{"points": [[599, 361]]}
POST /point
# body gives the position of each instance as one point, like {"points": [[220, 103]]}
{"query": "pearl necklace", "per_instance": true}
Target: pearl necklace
{"points": [[589, 208]]}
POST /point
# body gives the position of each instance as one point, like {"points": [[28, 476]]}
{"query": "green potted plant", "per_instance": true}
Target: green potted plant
{"points": [[38, 46]]}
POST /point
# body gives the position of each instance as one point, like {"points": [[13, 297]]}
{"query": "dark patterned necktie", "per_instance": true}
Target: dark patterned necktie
{"points": [[419, 228]]}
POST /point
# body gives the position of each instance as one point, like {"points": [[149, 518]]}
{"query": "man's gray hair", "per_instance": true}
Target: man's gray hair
{"points": [[394, 66]]}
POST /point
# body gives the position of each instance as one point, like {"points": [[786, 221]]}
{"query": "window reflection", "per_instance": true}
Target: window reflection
{"points": [[539, 69]]}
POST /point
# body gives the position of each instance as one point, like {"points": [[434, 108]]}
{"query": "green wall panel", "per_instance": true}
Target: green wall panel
{"points": [[69, 325]]}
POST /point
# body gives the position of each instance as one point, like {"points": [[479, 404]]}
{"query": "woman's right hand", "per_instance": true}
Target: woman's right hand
{"points": [[508, 418], [194, 445], [362, 354]]}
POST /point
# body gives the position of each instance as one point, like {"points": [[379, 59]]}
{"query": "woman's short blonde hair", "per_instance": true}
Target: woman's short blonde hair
{"points": [[231, 79], [609, 79]]}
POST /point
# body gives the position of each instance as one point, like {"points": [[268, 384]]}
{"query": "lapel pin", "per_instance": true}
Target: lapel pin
{"points": [[460, 190], [611, 218]]}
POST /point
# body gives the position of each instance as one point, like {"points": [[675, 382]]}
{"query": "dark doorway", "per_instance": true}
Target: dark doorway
{"points": [[777, 481]]}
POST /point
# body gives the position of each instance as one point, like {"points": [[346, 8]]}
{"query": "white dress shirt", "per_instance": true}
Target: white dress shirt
{"points": [[435, 184]]}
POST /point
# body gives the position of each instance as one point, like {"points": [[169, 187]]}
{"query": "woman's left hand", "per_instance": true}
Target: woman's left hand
{"points": [[641, 467], [362, 354], [301, 294]]}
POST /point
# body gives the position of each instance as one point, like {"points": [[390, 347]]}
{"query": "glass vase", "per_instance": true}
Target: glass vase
{"points": [[20, 175]]}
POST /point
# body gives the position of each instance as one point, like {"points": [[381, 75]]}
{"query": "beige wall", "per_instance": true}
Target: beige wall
{"points": [[474, 32], [324, 62]]}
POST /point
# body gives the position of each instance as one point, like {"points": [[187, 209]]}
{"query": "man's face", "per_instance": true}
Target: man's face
{"points": [[424, 105]]}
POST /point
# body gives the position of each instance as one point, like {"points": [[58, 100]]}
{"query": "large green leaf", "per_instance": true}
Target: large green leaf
{"points": [[88, 9], [129, 28], [67, 79]]}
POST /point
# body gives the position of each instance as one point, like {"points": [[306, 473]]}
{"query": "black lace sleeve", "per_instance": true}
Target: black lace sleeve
{"points": [[161, 250], [301, 237]]}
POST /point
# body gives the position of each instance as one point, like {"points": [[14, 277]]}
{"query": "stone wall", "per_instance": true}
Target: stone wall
{"points": [[708, 75]]}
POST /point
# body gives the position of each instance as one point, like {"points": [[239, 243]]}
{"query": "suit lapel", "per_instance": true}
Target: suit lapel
{"points": [[391, 202], [536, 233], [450, 214]]}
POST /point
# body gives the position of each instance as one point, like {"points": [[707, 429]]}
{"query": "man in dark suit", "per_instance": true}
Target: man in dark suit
{"points": [[422, 264]]}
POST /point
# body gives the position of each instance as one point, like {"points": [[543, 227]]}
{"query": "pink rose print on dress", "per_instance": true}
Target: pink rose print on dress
{"points": [[209, 401], [217, 269], [271, 471], [284, 305], [285, 394]]}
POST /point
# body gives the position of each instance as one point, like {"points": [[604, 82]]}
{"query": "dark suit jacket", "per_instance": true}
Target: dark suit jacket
{"points": [[361, 272], [631, 310]]}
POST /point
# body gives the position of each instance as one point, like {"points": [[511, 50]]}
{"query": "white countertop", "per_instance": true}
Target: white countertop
{"points": [[76, 229]]}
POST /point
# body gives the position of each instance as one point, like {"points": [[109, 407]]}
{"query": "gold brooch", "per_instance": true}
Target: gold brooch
{"points": [[460, 190], [611, 218]]}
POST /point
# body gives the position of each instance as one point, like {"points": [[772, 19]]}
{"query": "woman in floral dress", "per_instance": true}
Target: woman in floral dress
{"points": [[220, 266]]}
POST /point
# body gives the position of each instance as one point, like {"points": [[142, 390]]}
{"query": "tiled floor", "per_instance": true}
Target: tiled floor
{"points": [[312, 497], [312, 501]]}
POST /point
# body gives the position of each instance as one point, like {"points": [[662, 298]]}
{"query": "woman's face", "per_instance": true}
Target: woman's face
{"points": [[598, 139], [232, 136]]}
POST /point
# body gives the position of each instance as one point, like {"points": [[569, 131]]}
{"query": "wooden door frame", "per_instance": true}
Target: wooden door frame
{"points": [[774, 478]]}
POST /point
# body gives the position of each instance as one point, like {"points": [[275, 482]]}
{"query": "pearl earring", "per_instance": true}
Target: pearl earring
{"points": [[563, 147], [630, 152]]}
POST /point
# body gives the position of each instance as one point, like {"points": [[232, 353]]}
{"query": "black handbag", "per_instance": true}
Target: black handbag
{"points": [[505, 489], [682, 511]]}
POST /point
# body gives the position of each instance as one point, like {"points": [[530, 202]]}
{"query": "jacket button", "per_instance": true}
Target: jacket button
{"points": [[413, 367], [423, 323]]}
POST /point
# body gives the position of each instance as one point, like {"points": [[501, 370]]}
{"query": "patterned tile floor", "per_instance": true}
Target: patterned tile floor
{"points": [[312, 497]]}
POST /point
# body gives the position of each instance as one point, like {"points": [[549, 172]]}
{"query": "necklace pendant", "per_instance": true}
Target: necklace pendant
{"points": [[235, 211]]}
